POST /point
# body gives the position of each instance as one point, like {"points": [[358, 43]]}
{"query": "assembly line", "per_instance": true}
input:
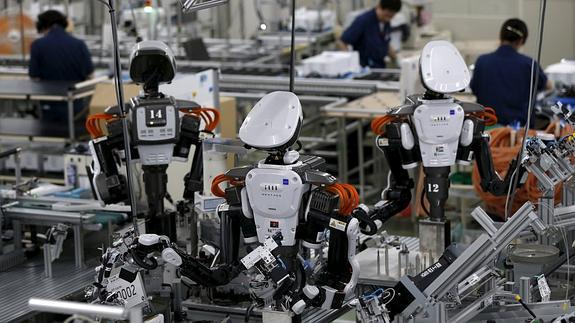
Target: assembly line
{"points": [[278, 161]]}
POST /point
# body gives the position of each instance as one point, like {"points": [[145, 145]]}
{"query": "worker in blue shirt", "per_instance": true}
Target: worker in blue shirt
{"points": [[501, 80], [370, 34], [58, 56]]}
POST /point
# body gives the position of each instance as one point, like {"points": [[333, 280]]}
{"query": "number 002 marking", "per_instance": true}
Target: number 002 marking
{"points": [[128, 292]]}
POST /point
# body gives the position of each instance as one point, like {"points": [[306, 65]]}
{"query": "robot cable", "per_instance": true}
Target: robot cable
{"points": [[118, 82], [534, 80], [292, 53]]}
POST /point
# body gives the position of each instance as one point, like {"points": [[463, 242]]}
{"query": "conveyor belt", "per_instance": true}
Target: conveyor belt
{"points": [[27, 280]]}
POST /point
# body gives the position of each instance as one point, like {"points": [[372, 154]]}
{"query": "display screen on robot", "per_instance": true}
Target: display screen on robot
{"points": [[156, 116]]}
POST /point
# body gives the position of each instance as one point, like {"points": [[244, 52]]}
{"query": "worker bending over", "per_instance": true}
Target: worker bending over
{"points": [[370, 34], [501, 79]]}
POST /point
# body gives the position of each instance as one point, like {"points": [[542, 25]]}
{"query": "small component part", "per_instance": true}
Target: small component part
{"points": [[171, 256]]}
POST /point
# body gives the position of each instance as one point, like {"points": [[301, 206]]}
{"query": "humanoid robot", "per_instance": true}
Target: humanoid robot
{"points": [[439, 131], [293, 196], [162, 129]]}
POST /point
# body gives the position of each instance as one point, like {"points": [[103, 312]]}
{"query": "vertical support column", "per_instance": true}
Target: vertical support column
{"points": [[361, 160], [47, 260], [18, 167], [78, 245], [546, 212], [71, 130], [524, 289], [17, 226], [342, 150], [568, 193]]}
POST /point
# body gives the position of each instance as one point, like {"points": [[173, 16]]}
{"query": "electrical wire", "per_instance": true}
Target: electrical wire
{"points": [[348, 197], [378, 124], [215, 188], [118, 83], [533, 85], [503, 153], [292, 53], [210, 116]]}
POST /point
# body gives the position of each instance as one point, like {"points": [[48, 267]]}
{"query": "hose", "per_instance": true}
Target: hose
{"points": [[348, 197], [217, 191], [153, 265], [210, 116], [94, 125]]}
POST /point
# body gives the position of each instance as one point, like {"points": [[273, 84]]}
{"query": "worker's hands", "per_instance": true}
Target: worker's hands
{"points": [[342, 46], [392, 54]]}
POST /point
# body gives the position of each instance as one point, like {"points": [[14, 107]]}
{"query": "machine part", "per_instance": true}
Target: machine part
{"points": [[434, 237], [529, 260], [197, 5], [55, 239], [417, 294]]}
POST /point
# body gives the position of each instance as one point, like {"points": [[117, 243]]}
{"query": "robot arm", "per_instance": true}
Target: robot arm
{"points": [[397, 142], [474, 143], [109, 185], [339, 279], [190, 136]]}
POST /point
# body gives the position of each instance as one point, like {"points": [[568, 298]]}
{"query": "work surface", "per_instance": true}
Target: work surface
{"points": [[376, 104], [36, 128], [23, 87], [21, 283]]}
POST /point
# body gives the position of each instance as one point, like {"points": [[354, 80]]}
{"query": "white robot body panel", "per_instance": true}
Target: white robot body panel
{"points": [[438, 128], [156, 124], [273, 122], [275, 196]]}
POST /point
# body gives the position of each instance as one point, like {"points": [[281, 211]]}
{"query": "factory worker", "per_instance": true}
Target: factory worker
{"points": [[58, 56], [370, 34], [501, 79]]}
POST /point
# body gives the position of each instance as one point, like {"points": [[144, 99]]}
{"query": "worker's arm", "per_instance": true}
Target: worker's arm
{"points": [[352, 35]]}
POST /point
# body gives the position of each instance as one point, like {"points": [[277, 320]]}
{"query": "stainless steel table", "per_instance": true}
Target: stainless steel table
{"points": [[19, 216], [25, 89]]}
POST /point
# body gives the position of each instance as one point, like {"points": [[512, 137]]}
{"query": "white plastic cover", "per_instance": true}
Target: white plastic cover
{"points": [[273, 121], [442, 68]]}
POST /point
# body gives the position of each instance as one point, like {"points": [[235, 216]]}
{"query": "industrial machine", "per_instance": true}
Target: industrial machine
{"points": [[162, 129], [438, 131]]}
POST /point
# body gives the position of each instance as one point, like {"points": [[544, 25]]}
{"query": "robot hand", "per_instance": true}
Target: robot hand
{"points": [[266, 259], [371, 308]]}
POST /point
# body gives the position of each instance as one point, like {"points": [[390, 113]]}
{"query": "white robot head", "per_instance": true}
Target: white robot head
{"points": [[442, 68], [152, 63], [274, 123]]}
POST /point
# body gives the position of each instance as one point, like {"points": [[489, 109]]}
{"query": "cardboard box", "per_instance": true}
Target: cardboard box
{"points": [[105, 96]]}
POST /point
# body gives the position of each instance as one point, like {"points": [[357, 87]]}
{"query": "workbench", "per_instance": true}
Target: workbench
{"points": [[20, 216], [25, 89]]}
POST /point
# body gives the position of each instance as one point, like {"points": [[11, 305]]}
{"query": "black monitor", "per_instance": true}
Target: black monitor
{"points": [[196, 50]]}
